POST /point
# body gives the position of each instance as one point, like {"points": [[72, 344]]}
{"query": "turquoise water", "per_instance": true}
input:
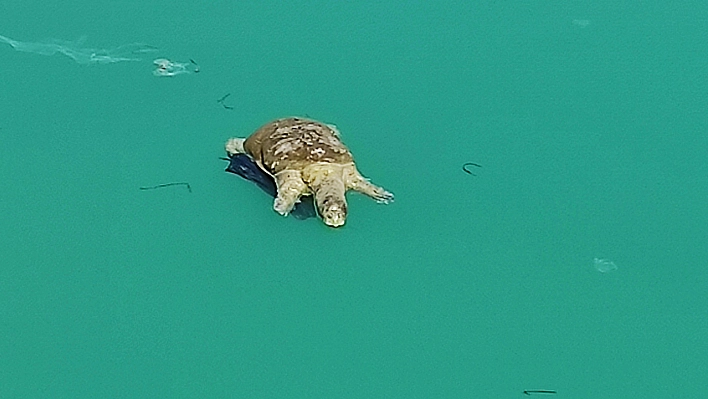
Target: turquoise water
{"points": [[589, 121]]}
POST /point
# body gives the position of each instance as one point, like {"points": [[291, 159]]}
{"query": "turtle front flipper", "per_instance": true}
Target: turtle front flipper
{"points": [[235, 146], [290, 188], [357, 182]]}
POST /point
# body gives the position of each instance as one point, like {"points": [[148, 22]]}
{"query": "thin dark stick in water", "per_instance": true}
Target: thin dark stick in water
{"points": [[464, 167], [538, 391], [221, 101], [196, 66], [167, 185]]}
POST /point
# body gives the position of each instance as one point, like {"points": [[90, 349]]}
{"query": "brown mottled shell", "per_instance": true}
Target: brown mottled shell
{"points": [[293, 143]]}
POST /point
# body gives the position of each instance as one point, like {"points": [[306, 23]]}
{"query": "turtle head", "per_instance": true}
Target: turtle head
{"points": [[333, 210], [327, 184]]}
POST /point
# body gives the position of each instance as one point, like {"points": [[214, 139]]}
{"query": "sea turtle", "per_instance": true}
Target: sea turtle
{"points": [[307, 157]]}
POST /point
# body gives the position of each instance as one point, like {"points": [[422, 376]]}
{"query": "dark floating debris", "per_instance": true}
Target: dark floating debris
{"points": [[464, 167], [243, 165], [539, 391], [168, 185]]}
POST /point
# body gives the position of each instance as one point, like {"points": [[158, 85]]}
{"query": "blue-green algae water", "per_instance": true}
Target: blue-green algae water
{"points": [[588, 120]]}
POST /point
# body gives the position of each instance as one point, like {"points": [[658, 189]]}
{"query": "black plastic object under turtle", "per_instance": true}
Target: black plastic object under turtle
{"points": [[243, 165]]}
